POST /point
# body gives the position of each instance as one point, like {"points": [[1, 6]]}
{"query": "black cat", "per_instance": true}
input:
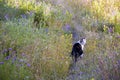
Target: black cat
{"points": [[77, 49]]}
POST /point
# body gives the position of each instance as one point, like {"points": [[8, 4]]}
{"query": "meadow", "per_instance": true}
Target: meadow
{"points": [[36, 38]]}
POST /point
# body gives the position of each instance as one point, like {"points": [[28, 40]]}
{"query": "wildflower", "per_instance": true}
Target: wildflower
{"points": [[80, 73], [4, 51], [23, 16], [31, 13], [118, 62], [1, 62], [6, 17], [7, 58], [110, 30], [10, 49], [28, 65], [118, 37], [67, 27], [23, 54]]}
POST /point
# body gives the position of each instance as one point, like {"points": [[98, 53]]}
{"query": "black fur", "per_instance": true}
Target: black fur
{"points": [[76, 51]]}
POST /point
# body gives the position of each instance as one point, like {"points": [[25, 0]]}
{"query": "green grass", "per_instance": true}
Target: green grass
{"points": [[47, 50], [14, 67], [39, 52]]}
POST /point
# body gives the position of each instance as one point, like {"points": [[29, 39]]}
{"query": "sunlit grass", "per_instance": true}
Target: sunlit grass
{"points": [[94, 14], [42, 52]]}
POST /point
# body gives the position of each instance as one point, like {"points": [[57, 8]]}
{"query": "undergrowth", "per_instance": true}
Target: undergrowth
{"points": [[35, 46]]}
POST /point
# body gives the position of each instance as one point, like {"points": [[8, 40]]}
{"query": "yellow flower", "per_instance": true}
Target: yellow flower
{"points": [[92, 79]]}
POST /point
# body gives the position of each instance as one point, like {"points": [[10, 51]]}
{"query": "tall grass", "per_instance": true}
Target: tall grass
{"points": [[102, 57], [39, 52], [98, 17], [47, 49], [94, 14]]}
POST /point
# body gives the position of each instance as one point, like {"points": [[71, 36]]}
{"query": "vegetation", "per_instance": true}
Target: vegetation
{"points": [[36, 39]]}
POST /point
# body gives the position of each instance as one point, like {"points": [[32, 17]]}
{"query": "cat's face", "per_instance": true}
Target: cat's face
{"points": [[83, 41]]}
